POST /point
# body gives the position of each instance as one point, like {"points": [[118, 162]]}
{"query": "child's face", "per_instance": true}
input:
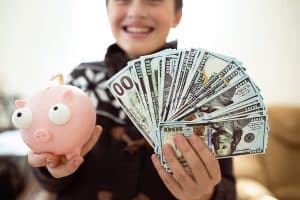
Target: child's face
{"points": [[141, 26]]}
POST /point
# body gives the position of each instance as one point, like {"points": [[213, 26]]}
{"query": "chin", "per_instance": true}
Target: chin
{"points": [[137, 52]]}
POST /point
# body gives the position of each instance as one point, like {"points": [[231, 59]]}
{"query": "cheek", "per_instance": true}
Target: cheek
{"points": [[115, 17], [163, 17], [112, 21]]}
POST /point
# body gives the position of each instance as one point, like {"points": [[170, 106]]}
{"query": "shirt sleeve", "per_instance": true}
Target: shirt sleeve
{"points": [[91, 78], [226, 189], [49, 183]]}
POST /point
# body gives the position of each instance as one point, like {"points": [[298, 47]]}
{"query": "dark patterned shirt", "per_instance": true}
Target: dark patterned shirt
{"points": [[110, 165]]}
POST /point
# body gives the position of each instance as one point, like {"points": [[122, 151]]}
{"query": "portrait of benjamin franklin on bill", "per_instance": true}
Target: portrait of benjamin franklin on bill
{"points": [[227, 136]]}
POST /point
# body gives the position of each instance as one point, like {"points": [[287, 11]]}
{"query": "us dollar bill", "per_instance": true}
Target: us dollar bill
{"points": [[231, 77], [168, 71], [123, 88], [236, 92], [235, 106], [184, 73], [137, 65], [253, 109], [193, 91], [224, 139], [212, 106], [168, 105], [207, 71], [182, 61], [151, 66]]}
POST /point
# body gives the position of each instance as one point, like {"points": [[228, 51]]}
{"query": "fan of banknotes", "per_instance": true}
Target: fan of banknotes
{"points": [[193, 91]]}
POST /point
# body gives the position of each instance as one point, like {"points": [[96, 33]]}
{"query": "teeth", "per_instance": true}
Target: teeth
{"points": [[137, 30]]}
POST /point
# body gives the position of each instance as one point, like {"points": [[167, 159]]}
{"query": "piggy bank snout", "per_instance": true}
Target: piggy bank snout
{"points": [[41, 136]]}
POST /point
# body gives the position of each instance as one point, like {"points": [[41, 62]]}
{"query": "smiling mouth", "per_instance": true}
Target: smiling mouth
{"points": [[138, 30]]}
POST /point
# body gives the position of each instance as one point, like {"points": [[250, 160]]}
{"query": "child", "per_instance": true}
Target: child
{"points": [[118, 166]]}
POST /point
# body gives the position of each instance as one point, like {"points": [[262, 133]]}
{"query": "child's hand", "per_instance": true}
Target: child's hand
{"points": [[204, 174], [59, 166]]}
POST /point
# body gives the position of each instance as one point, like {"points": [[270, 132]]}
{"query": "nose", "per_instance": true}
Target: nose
{"points": [[41, 136], [137, 9]]}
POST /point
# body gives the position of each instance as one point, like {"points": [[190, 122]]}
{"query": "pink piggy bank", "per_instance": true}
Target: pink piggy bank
{"points": [[59, 120]]}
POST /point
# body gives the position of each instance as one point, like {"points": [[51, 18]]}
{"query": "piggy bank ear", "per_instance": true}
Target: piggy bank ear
{"points": [[20, 103], [68, 96]]}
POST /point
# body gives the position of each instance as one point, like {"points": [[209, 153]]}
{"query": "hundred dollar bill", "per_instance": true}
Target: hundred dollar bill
{"points": [[235, 93], [151, 65], [224, 139], [123, 88], [208, 70], [193, 79], [257, 98], [150, 68], [241, 89], [137, 65], [167, 109], [135, 78], [256, 109], [188, 86], [182, 60], [184, 73], [232, 107], [169, 67], [226, 79], [258, 112], [237, 74]]}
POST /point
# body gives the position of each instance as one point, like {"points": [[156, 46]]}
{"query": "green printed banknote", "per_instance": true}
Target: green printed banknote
{"points": [[193, 91]]}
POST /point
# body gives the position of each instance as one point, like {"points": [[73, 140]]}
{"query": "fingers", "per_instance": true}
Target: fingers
{"points": [[166, 177], [42, 159], [53, 161], [199, 180], [59, 166], [178, 170], [92, 141], [66, 168], [208, 159], [197, 167]]}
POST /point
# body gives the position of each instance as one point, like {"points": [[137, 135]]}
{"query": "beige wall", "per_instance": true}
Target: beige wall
{"points": [[41, 37]]}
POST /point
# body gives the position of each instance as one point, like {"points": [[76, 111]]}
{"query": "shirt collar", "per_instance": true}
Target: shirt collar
{"points": [[116, 58]]}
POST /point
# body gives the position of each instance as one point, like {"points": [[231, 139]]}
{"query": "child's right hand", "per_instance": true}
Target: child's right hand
{"points": [[58, 165]]}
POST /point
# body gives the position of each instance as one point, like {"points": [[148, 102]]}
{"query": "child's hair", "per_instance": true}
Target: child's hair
{"points": [[178, 4]]}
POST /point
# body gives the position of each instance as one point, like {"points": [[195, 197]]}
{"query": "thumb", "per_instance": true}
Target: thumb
{"points": [[67, 168]]}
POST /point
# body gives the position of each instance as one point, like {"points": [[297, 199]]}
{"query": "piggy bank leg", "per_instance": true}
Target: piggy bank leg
{"points": [[73, 154], [41, 136]]}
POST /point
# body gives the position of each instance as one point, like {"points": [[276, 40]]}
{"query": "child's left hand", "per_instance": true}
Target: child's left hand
{"points": [[204, 173]]}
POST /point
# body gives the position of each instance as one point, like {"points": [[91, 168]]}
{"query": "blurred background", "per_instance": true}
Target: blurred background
{"points": [[41, 37]]}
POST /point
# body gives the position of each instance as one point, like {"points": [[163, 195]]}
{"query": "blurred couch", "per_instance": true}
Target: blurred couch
{"points": [[276, 174]]}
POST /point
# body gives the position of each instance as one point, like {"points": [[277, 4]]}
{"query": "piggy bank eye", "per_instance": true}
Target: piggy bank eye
{"points": [[22, 118], [59, 114]]}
